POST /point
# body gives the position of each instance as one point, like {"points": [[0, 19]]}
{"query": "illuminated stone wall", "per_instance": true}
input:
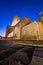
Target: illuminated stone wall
{"points": [[33, 31], [15, 20], [15, 33], [16, 29], [9, 29], [10, 34], [25, 21]]}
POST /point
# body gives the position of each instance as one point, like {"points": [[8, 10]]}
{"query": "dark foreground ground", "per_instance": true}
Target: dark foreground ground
{"points": [[37, 58]]}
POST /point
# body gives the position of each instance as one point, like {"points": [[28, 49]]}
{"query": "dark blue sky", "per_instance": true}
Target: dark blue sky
{"points": [[21, 8]]}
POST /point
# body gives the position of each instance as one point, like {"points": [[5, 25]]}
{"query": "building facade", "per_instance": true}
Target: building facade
{"points": [[15, 30], [33, 31], [24, 30], [15, 20]]}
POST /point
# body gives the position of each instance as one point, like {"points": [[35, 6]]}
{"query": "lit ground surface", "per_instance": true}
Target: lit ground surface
{"points": [[36, 60], [30, 43]]}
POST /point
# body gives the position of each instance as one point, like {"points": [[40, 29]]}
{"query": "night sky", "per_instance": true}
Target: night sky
{"points": [[21, 8]]}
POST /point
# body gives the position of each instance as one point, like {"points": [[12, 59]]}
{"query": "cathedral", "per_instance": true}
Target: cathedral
{"points": [[24, 29]]}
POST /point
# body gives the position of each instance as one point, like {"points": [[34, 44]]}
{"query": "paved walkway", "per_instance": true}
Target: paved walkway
{"points": [[37, 61]]}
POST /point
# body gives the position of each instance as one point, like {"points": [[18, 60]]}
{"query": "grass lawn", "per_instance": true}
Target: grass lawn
{"points": [[29, 42]]}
